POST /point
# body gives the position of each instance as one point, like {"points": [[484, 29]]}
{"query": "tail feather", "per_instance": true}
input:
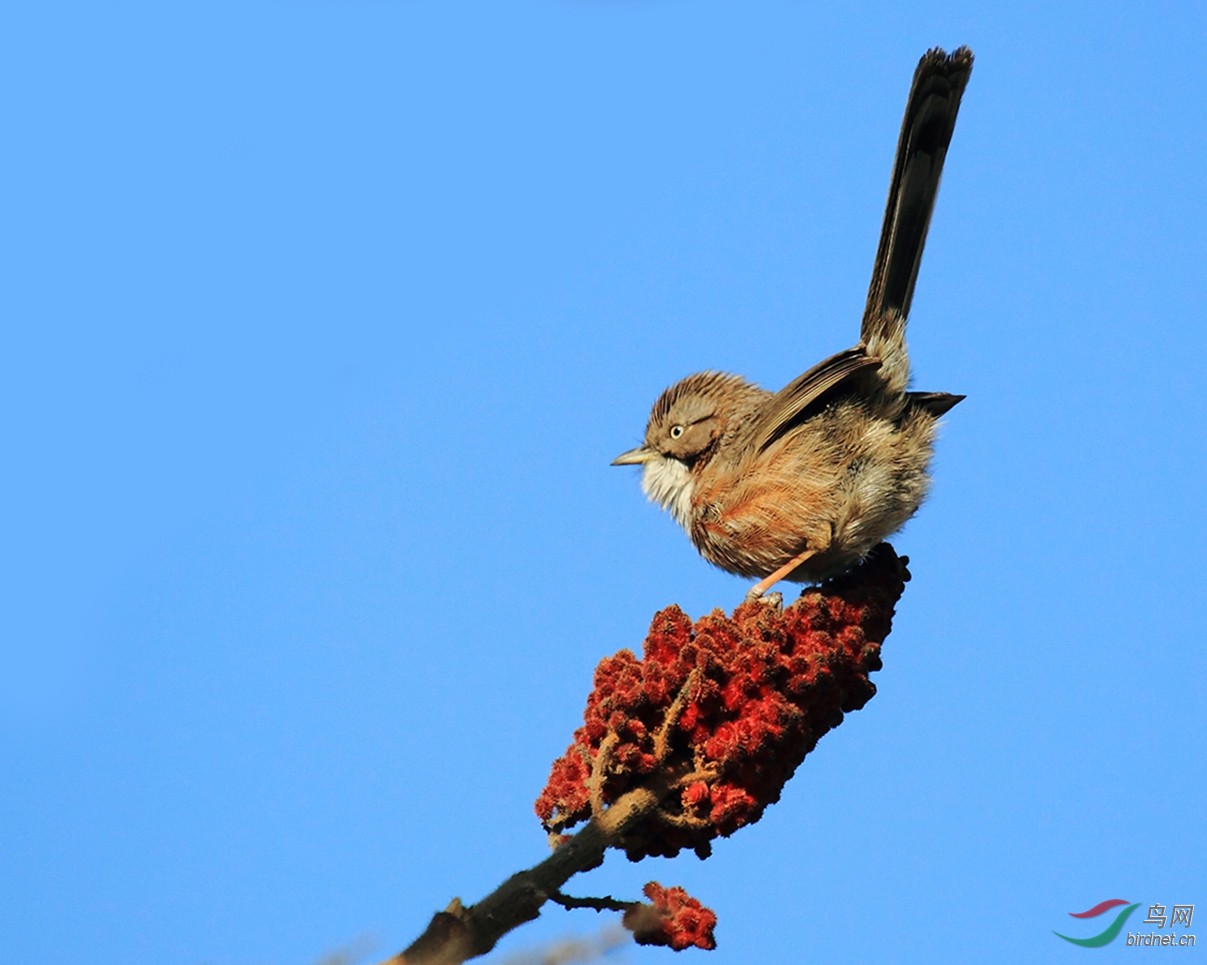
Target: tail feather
{"points": [[930, 117]]}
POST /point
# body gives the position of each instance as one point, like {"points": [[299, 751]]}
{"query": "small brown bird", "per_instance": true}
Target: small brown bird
{"points": [[802, 483]]}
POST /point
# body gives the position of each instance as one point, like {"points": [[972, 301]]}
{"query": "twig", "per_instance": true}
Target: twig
{"points": [[606, 903]]}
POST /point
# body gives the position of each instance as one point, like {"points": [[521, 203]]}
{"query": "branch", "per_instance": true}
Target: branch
{"points": [[459, 933]]}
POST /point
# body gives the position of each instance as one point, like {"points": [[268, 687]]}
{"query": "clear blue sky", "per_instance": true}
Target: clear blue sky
{"points": [[322, 323]]}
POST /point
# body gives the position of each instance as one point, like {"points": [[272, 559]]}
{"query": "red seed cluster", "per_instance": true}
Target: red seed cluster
{"points": [[672, 918], [718, 714]]}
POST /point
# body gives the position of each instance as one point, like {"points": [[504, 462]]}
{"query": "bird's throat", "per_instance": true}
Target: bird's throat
{"points": [[668, 482]]}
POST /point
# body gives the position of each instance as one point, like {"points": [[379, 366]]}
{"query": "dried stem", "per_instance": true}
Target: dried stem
{"points": [[662, 739]]}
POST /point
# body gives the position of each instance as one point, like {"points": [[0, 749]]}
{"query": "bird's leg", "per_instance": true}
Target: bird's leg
{"points": [[765, 584]]}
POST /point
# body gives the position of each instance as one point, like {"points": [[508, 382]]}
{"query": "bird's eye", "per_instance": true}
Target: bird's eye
{"points": [[676, 431]]}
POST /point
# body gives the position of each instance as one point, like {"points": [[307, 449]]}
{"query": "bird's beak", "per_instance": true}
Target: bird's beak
{"points": [[634, 457]]}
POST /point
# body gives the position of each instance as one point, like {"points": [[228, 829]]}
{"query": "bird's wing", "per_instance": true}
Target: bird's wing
{"points": [[803, 395]]}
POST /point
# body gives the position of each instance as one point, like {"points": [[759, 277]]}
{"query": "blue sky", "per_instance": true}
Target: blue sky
{"points": [[322, 324]]}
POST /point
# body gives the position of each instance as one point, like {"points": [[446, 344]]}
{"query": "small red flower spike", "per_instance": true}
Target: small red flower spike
{"points": [[672, 918]]}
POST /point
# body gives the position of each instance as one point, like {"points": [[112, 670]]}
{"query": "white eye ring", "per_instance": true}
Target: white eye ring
{"points": [[676, 431]]}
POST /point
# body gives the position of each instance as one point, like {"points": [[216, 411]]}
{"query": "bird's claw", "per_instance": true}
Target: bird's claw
{"points": [[774, 600]]}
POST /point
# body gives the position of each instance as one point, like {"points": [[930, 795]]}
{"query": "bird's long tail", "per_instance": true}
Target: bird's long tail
{"points": [[930, 118]]}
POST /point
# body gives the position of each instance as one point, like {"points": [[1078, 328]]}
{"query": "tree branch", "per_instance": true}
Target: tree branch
{"points": [[459, 933]]}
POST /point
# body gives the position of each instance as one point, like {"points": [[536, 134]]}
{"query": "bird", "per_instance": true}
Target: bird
{"points": [[802, 483]]}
